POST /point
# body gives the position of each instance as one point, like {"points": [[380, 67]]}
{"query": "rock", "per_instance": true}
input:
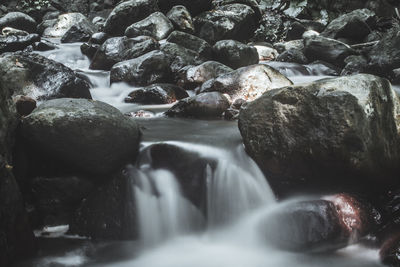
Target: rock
{"points": [[326, 49], [354, 65], [64, 24], [119, 49], [159, 93], [109, 212], [296, 31], [46, 24], [354, 25], [271, 28], [191, 42], [181, 19], [306, 226], [44, 45], [251, 3], [25, 105], [56, 198], [76, 34], [127, 13], [285, 46], [53, 127], [89, 49], [180, 56], [330, 135], [323, 68], [231, 114], [18, 21], [99, 38], [153, 67], [157, 25], [390, 250], [195, 7], [247, 83], [293, 55], [235, 54], [192, 76], [204, 105], [236, 21], [40, 78], [11, 31], [14, 43], [266, 53], [68, 6]]}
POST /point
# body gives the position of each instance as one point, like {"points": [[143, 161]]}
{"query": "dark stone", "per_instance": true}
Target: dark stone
{"points": [[205, 105], [326, 49], [153, 67], [40, 78], [98, 38], [236, 21], [195, 7], [285, 46], [157, 25], [181, 19], [180, 56], [12, 43], [44, 45], [109, 212], [231, 114], [293, 55], [18, 21], [191, 42], [390, 250], [296, 31], [272, 28], [354, 65], [251, 3], [54, 126], [25, 105], [235, 54], [246, 83], [89, 50], [65, 22], [159, 93], [320, 67], [192, 76], [127, 13], [265, 52], [76, 34], [119, 49], [67, 6], [333, 134]]}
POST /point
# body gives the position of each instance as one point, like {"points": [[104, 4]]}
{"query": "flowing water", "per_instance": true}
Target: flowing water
{"points": [[174, 232]]}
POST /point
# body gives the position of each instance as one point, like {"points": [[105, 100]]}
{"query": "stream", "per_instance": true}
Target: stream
{"points": [[172, 231]]}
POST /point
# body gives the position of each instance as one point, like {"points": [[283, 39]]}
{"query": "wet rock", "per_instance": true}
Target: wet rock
{"points": [[296, 31], [266, 52], [157, 25], [127, 13], [153, 67], [180, 56], [354, 65], [195, 7], [333, 134], [205, 105], [40, 78], [160, 93], [231, 114], [25, 105], [293, 55], [64, 23], [193, 76], [141, 114], [109, 212], [236, 21], [18, 20], [46, 24], [67, 6], [251, 3], [119, 49], [191, 42], [329, 50], [285, 46], [320, 67], [11, 31], [272, 28], [56, 198], [89, 49], [53, 127], [181, 19], [354, 25], [98, 38], [390, 250], [76, 34], [44, 45], [12, 43], [235, 54], [247, 83]]}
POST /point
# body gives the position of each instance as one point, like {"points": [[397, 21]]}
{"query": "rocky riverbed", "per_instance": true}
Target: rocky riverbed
{"points": [[190, 81]]}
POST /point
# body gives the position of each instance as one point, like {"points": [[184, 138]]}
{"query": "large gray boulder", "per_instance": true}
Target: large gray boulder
{"points": [[127, 13], [247, 82], [64, 23], [328, 135], [18, 20], [40, 78], [157, 25], [91, 136]]}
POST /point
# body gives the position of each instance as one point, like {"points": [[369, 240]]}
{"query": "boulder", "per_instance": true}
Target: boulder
{"points": [[247, 83], [53, 127], [75, 34], [354, 65], [119, 49], [235, 21], [40, 78], [180, 56], [98, 38], [326, 49], [89, 49], [157, 25], [63, 24], [265, 52], [44, 45], [333, 134], [18, 20], [12, 31], [159, 93], [271, 28], [153, 67], [181, 19], [235, 54], [205, 105], [67, 6], [354, 25], [191, 42], [251, 3], [127, 13], [12, 43], [195, 7], [292, 55], [192, 76]]}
